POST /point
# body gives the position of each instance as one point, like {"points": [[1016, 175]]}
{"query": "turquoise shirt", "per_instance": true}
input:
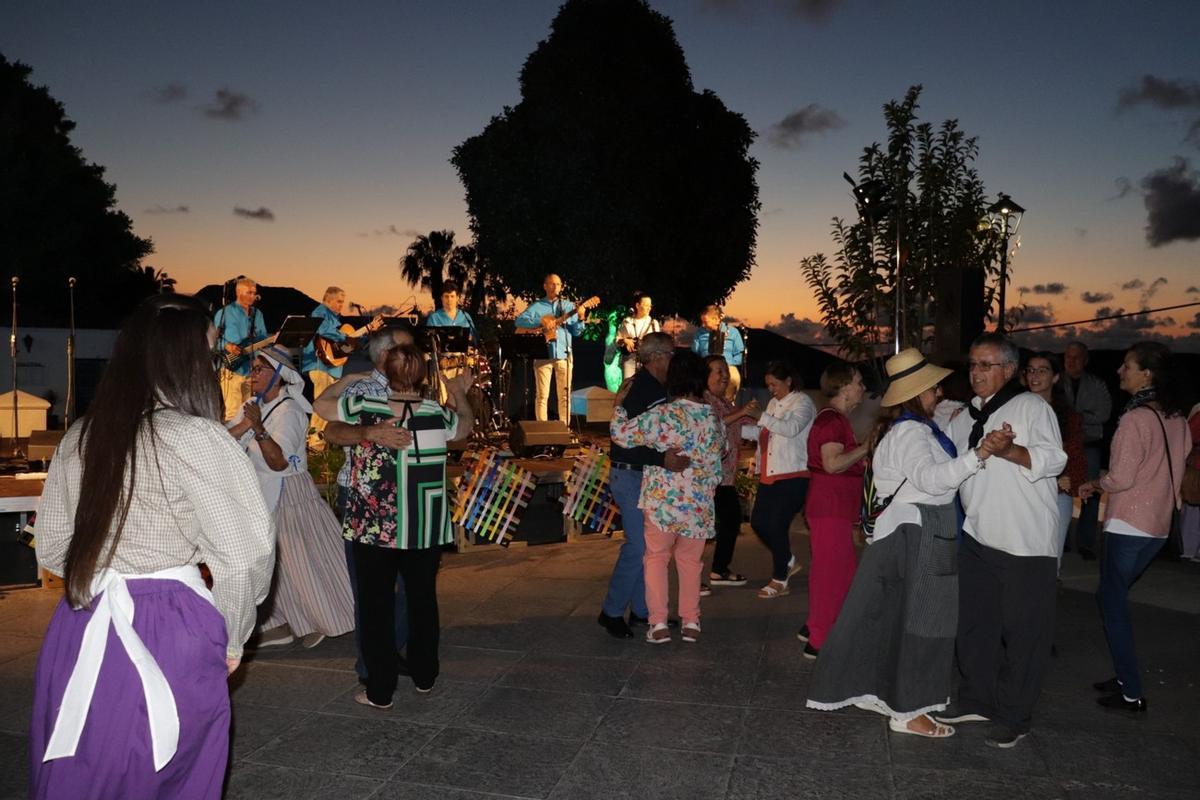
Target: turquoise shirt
{"points": [[440, 319], [330, 322], [532, 318], [734, 347], [234, 327]]}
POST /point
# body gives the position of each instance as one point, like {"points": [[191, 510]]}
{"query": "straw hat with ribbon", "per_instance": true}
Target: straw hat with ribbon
{"points": [[908, 375]]}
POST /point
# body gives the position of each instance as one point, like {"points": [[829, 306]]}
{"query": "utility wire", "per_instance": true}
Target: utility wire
{"points": [[1102, 319]]}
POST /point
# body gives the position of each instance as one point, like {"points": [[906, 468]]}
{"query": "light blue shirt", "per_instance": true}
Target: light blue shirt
{"points": [[330, 322], [532, 318], [734, 347], [234, 327], [440, 319]]}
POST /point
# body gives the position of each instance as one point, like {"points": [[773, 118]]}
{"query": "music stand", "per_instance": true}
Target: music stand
{"points": [[449, 338], [297, 331], [525, 347]]}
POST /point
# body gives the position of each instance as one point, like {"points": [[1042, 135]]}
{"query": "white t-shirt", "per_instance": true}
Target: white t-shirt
{"points": [[1008, 507]]}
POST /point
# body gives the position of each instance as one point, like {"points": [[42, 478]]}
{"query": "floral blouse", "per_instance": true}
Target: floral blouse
{"points": [[677, 502]]}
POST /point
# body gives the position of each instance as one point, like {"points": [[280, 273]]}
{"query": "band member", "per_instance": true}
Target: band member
{"points": [[632, 330], [238, 324], [558, 362], [321, 374], [718, 338], [450, 315]]}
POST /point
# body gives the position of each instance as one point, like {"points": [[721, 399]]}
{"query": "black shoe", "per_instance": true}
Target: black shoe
{"points": [[616, 626], [955, 714], [802, 634], [811, 652], [1003, 737], [1087, 554], [1117, 702], [1108, 687]]}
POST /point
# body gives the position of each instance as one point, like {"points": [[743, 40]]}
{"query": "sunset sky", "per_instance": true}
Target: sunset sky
{"points": [[307, 143]]}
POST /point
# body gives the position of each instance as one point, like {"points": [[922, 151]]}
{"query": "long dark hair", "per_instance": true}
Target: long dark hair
{"points": [[161, 356], [1156, 357]]}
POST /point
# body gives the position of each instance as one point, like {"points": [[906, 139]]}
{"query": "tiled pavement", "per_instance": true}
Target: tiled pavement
{"points": [[535, 700]]}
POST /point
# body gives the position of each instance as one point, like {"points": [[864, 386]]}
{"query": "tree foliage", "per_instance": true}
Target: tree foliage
{"points": [[612, 170], [433, 259], [938, 202], [58, 216]]}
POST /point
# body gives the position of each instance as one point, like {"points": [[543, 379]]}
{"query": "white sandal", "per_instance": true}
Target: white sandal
{"points": [[658, 634], [940, 730], [691, 632], [774, 589]]}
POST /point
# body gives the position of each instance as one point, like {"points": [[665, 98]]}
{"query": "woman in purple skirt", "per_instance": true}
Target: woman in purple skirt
{"points": [[130, 695]]}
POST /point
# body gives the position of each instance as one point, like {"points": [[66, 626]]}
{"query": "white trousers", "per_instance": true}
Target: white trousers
{"points": [[560, 369]]}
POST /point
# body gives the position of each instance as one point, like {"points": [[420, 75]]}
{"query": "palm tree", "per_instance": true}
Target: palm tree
{"points": [[479, 283], [426, 262]]}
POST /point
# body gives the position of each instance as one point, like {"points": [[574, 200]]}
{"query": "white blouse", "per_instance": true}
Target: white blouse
{"points": [[910, 454], [287, 424]]}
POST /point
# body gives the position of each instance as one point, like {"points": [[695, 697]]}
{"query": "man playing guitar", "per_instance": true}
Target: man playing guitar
{"points": [[558, 320], [238, 325], [633, 329], [322, 363]]}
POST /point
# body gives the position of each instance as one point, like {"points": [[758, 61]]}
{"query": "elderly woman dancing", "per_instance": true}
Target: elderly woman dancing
{"points": [[130, 696], [892, 648], [311, 596]]}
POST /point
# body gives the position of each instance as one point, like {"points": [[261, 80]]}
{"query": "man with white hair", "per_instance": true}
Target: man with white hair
{"points": [[1008, 558], [238, 325]]}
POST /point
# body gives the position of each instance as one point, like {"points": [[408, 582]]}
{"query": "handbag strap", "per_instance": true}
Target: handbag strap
{"points": [[1167, 444]]}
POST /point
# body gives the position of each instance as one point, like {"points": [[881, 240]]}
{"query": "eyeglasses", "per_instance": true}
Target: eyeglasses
{"points": [[258, 368], [983, 366], [1038, 370]]}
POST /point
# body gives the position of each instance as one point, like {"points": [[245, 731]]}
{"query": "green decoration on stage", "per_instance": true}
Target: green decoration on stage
{"points": [[612, 354]]}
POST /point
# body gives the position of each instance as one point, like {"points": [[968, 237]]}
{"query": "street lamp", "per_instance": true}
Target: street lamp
{"points": [[1004, 215]]}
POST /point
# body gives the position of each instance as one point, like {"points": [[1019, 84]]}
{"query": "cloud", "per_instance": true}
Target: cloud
{"points": [[1045, 288], [391, 230], [1166, 94], [1124, 187], [804, 330], [1172, 204], [1192, 290], [1081, 233], [790, 132], [1096, 297], [229, 105], [262, 213], [814, 11], [170, 93], [1194, 322], [1035, 314], [169, 210], [1152, 289], [1136, 283]]}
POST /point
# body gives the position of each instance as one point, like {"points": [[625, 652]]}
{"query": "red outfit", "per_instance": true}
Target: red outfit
{"points": [[833, 507]]}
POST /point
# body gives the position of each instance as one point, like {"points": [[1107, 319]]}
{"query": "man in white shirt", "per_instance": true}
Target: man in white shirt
{"points": [[1007, 560]]}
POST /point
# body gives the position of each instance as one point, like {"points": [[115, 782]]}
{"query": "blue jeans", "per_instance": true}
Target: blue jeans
{"points": [[401, 601], [627, 587], [1089, 511], [1125, 559]]}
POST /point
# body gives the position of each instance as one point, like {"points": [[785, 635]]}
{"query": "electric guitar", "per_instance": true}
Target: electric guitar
{"points": [[335, 354], [247, 350], [550, 323]]}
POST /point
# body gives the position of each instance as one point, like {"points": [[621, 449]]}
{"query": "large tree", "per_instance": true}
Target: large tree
{"points": [[927, 181], [433, 259], [58, 216], [612, 170]]}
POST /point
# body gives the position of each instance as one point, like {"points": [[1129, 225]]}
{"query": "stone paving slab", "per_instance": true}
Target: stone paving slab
{"points": [[536, 701]]}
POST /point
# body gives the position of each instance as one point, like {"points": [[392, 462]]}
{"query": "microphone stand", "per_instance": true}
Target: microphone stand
{"points": [[12, 350], [69, 404]]}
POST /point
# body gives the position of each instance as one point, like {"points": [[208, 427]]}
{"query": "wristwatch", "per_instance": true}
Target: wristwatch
{"points": [[262, 435]]}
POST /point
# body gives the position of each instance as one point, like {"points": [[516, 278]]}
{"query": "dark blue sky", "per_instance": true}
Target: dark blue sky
{"points": [[339, 120]]}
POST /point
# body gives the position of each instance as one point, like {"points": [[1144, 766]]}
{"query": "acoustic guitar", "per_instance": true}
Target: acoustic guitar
{"points": [[550, 323], [336, 354], [232, 362]]}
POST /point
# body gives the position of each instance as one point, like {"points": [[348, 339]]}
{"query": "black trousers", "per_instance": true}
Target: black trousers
{"points": [[1005, 630], [377, 568], [775, 506], [729, 524]]}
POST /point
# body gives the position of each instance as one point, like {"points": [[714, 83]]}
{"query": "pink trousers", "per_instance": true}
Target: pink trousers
{"points": [[689, 554], [830, 576]]}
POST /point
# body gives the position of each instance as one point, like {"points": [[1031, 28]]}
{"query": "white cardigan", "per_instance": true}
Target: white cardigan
{"points": [[789, 421]]}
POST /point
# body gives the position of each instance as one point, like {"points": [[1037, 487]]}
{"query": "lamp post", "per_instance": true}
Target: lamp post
{"points": [[1005, 217]]}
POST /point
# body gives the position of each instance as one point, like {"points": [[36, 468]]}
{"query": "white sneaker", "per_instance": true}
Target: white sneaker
{"points": [[276, 637]]}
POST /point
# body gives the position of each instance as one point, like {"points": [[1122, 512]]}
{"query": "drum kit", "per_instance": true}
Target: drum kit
{"points": [[484, 373]]}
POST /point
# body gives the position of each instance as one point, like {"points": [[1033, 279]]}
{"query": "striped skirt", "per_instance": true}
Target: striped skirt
{"points": [[186, 636], [311, 587]]}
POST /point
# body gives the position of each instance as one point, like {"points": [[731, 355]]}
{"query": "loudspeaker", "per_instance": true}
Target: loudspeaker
{"points": [[42, 444], [542, 519], [18, 561], [529, 435]]}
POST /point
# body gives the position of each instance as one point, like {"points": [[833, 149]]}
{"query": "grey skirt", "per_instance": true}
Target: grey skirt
{"points": [[892, 648]]}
